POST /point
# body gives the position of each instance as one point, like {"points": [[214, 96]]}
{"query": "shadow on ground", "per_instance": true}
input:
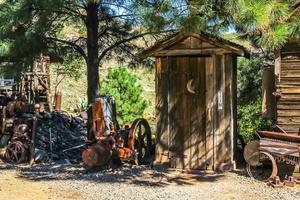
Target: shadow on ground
{"points": [[138, 175]]}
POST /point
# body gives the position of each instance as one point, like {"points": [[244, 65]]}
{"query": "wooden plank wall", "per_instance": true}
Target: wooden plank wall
{"points": [[224, 122], [180, 114], [233, 113], [230, 106], [210, 78], [161, 88], [288, 84], [197, 107]]}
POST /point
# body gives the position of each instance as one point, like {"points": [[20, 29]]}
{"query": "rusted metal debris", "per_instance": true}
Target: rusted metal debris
{"points": [[58, 101], [34, 85], [42, 137], [275, 182], [29, 130], [263, 155], [60, 137], [114, 144], [291, 182], [18, 131]]}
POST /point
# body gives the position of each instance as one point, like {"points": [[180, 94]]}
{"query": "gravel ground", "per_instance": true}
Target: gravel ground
{"points": [[74, 182]]}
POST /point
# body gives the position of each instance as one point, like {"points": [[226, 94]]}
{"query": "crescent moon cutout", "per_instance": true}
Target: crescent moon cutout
{"points": [[190, 86]]}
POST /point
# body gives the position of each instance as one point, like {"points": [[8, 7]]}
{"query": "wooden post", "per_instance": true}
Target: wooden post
{"points": [[268, 98], [234, 133]]}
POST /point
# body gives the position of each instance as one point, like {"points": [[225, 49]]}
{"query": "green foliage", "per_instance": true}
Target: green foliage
{"points": [[250, 120], [71, 66], [58, 27], [268, 23], [209, 15], [123, 85], [249, 96], [249, 78]]}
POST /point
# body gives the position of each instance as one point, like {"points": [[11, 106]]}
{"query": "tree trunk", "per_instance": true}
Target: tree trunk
{"points": [[92, 60]]}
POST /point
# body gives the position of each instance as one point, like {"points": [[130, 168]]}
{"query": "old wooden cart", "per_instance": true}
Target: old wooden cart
{"points": [[263, 155]]}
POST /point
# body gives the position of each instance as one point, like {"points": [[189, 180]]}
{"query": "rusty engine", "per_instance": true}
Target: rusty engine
{"points": [[20, 104], [113, 144]]}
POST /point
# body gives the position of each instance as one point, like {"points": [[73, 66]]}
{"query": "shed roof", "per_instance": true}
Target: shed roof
{"points": [[216, 43]]}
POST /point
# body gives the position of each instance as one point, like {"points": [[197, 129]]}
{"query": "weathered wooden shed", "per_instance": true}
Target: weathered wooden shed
{"points": [[286, 88], [196, 107]]}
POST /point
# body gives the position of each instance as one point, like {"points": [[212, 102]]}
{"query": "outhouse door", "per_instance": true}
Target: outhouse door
{"points": [[187, 112]]}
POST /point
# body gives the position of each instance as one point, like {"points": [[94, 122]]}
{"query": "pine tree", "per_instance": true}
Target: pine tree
{"points": [[123, 85], [101, 30], [268, 23]]}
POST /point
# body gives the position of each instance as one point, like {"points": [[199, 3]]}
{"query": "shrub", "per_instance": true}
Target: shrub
{"points": [[250, 120], [128, 94], [249, 97]]}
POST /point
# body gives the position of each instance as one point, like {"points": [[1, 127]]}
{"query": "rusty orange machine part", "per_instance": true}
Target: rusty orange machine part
{"points": [[98, 154], [98, 127], [124, 153], [128, 144], [58, 101]]}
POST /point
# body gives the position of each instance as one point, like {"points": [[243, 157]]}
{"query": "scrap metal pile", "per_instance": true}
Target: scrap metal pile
{"points": [[31, 132], [43, 137], [60, 137]]}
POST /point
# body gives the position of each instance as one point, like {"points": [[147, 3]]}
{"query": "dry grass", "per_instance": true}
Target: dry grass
{"points": [[74, 91]]}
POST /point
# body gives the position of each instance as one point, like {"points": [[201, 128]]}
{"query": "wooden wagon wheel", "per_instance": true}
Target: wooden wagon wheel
{"points": [[140, 139], [262, 166]]}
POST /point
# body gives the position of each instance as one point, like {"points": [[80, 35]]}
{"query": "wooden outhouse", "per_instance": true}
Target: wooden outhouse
{"points": [[196, 88], [286, 90]]}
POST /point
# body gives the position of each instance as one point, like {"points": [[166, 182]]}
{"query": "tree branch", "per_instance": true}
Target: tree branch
{"points": [[119, 42], [67, 11], [116, 44], [116, 16], [294, 13], [71, 44], [287, 19]]}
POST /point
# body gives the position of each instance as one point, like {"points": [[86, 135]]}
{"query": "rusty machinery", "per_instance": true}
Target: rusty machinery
{"points": [[34, 84], [114, 144], [18, 127], [19, 110], [263, 156]]}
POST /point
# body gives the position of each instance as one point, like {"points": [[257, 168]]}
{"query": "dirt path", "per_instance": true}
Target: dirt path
{"points": [[73, 182], [15, 188]]}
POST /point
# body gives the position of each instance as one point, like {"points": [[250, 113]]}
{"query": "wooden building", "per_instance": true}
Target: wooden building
{"points": [[196, 107], [287, 88]]}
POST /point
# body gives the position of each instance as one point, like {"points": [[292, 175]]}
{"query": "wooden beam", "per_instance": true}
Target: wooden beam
{"points": [[186, 52], [212, 39]]}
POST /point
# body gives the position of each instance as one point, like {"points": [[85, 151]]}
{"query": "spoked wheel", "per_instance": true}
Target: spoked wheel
{"points": [[140, 139], [16, 152], [262, 166]]}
